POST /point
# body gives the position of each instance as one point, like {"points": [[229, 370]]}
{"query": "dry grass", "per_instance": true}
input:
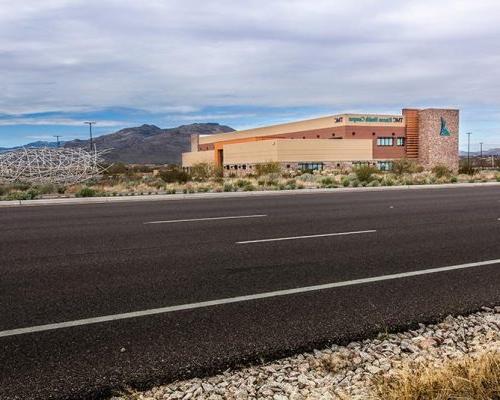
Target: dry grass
{"points": [[468, 378]]}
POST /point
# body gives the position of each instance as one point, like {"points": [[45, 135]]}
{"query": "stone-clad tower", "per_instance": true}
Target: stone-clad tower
{"points": [[438, 138]]}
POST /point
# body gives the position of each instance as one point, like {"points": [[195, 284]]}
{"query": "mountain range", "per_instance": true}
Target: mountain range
{"points": [[149, 144], [146, 144], [486, 153]]}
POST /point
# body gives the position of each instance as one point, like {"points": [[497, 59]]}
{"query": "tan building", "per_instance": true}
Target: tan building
{"points": [[428, 136]]}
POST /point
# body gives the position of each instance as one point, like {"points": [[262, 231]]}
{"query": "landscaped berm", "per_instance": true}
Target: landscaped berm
{"points": [[129, 180]]}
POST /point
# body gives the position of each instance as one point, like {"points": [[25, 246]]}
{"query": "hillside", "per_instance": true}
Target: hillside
{"points": [[149, 144]]}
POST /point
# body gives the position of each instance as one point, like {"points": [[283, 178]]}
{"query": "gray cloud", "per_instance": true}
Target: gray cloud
{"points": [[61, 55]]}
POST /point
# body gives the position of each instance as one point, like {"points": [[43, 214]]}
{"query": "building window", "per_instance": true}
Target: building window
{"points": [[373, 133], [317, 136], [354, 133], [244, 166], [393, 134], [400, 141], [303, 137], [312, 166], [333, 134], [288, 166], [385, 141], [384, 165]]}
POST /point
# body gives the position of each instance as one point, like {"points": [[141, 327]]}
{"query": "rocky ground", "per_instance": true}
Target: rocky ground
{"points": [[344, 372]]}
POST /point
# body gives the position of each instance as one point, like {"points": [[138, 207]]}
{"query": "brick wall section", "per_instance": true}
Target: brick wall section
{"points": [[434, 148]]}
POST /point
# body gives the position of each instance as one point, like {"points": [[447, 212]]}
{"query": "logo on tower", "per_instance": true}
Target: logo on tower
{"points": [[444, 129]]}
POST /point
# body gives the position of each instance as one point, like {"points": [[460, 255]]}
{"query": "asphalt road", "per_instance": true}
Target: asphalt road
{"points": [[64, 264]]}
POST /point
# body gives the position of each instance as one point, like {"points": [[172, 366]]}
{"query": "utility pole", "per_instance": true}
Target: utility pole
{"points": [[481, 158], [90, 123], [57, 138], [481, 144], [468, 150]]}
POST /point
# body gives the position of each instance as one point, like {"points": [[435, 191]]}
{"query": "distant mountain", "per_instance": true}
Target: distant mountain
{"points": [[486, 153], [149, 144], [37, 144]]}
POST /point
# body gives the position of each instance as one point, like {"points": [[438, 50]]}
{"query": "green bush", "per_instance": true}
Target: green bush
{"points": [[374, 183], [441, 171], [498, 178], [249, 188], [228, 187], [30, 194], [267, 168], [291, 184], [454, 179], [327, 181], [202, 171], [355, 183], [86, 192], [241, 183], [346, 181], [364, 173]]}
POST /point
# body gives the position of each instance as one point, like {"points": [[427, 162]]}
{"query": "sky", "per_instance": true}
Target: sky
{"points": [[248, 63]]}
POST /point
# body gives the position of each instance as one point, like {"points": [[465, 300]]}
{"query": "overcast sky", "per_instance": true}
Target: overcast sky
{"points": [[242, 63]]}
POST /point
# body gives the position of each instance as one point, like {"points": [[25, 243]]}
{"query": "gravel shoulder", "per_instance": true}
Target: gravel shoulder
{"points": [[343, 372]]}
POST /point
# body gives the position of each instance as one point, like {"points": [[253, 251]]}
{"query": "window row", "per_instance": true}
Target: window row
{"points": [[389, 141]]}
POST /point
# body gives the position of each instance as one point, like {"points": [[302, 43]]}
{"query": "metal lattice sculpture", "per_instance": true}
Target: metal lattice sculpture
{"points": [[50, 165]]}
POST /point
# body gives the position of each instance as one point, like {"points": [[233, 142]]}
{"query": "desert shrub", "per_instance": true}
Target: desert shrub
{"points": [[346, 181], [86, 192], [326, 181], [145, 169], [30, 194], [355, 183], [307, 177], [203, 189], [441, 171], [202, 171], [117, 169], [21, 186], [373, 183], [4, 189], [404, 166], [453, 179], [172, 175], [228, 187], [249, 188], [467, 169], [364, 173], [267, 168], [241, 183], [291, 184], [388, 181], [464, 378], [498, 178]]}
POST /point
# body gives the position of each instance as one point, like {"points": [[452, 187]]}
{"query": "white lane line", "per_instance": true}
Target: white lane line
{"points": [[306, 237], [173, 221], [211, 303]]}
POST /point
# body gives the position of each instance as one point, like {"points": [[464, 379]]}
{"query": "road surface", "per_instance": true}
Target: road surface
{"points": [[99, 297]]}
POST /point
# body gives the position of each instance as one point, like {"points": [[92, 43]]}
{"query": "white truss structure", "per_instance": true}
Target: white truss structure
{"points": [[50, 165]]}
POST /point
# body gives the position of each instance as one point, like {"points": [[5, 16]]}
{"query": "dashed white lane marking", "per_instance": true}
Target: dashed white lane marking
{"points": [[306, 237], [211, 303], [172, 221]]}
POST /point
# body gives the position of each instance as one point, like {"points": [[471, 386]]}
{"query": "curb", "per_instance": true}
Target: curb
{"points": [[200, 196]]}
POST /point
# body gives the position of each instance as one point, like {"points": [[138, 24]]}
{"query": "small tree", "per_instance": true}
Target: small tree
{"points": [[364, 173]]}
